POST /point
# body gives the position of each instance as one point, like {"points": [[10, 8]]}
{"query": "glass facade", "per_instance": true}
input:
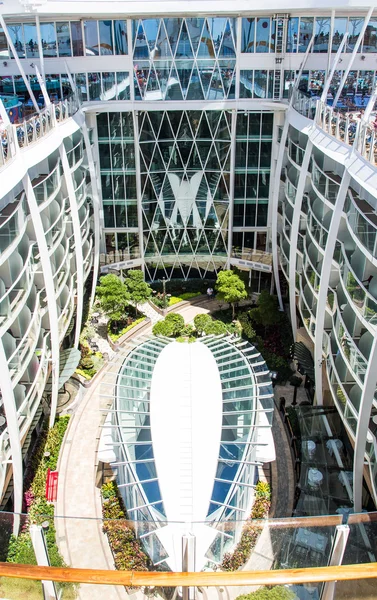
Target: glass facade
{"points": [[184, 59], [185, 185], [247, 405]]}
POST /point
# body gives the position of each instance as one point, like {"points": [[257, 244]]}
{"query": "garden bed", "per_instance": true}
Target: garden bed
{"points": [[127, 551], [251, 531], [38, 511], [131, 330]]}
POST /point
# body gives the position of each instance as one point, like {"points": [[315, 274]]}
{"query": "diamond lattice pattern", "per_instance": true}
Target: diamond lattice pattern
{"points": [[185, 166], [184, 59]]}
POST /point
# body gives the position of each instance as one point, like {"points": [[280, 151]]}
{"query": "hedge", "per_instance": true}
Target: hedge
{"points": [[20, 548], [278, 592], [127, 551], [251, 532]]}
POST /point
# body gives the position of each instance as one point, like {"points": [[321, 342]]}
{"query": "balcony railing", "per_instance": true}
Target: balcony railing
{"points": [[344, 126], [35, 127]]}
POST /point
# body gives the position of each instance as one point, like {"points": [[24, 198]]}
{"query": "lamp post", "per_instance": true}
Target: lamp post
{"points": [[164, 290]]}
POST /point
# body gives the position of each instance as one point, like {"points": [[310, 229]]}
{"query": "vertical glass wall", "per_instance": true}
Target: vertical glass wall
{"points": [[185, 180], [118, 179], [252, 172]]}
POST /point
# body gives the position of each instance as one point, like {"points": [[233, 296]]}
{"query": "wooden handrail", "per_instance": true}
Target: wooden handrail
{"points": [[135, 578]]}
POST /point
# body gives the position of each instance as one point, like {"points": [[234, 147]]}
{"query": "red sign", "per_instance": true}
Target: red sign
{"points": [[52, 485]]}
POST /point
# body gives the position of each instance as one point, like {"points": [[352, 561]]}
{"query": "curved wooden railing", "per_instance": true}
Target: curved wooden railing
{"points": [[219, 578]]}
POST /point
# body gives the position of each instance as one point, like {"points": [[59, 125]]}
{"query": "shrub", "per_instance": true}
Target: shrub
{"points": [[162, 328], [201, 321], [277, 592], [177, 322], [115, 336], [188, 330], [21, 549], [86, 363], [251, 531], [127, 550], [172, 326], [215, 328]]}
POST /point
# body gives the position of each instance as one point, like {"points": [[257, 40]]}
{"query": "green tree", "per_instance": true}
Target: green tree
{"points": [[201, 321], [267, 312], [138, 289], [113, 296], [230, 289], [163, 328]]}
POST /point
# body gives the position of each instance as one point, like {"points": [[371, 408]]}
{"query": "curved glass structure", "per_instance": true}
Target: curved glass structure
{"points": [[216, 392]]}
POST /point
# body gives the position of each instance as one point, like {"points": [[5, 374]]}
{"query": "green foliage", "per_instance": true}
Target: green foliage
{"points": [[251, 531], [39, 510], [201, 321], [138, 289], [247, 326], [113, 297], [108, 490], [188, 330], [215, 328], [277, 592], [127, 550], [177, 322], [189, 295], [267, 312], [86, 363], [230, 288], [163, 328], [172, 326], [115, 336]]}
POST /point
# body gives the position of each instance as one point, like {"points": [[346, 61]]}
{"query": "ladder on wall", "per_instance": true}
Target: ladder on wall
{"points": [[281, 22]]}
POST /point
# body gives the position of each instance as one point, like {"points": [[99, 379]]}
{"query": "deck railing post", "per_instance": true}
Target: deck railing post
{"points": [[337, 553]]}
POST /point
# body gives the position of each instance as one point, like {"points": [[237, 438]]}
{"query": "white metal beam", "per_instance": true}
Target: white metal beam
{"points": [[9, 403], [294, 235], [78, 241], [231, 183], [325, 279], [353, 55], [50, 290]]}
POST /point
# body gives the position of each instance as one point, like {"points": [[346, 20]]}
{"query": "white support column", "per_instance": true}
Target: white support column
{"points": [[274, 210], [14, 436], [353, 56], [78, 241], [332, 71], [41, 81], [332, 22], [337, 553], [325, 279], [294, 235], [303, 63], [366, 403], [139, 191], [231, 183], [50, 291], [238, 54], [130, 51], [40, 47], [43, 560], [18, 62], [96, 207]]}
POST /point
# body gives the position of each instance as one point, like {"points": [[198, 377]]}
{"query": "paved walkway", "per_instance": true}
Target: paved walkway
{"points": [[81, 540]]}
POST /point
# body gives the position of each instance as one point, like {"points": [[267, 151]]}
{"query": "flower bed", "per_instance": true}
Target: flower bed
{"points": [[159, 302], [127, 551], [251, 532], [38, 510], [116, 336]]}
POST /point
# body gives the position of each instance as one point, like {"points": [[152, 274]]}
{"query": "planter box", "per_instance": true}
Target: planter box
{"points": [[137, 329], [164, 311]]}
